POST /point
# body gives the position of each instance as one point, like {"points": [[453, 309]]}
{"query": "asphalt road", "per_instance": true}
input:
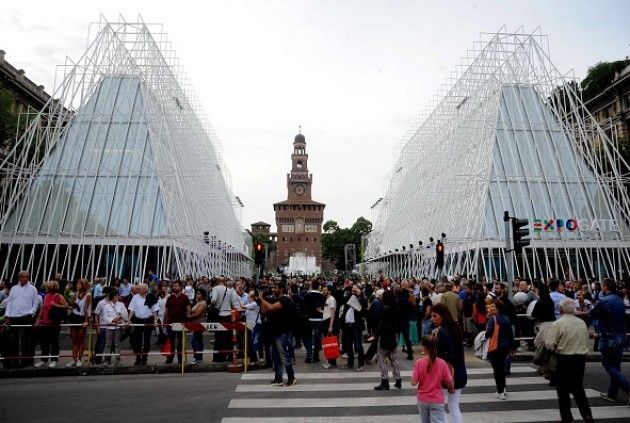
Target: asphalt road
{"points": [[167, 397], [108, 399]]}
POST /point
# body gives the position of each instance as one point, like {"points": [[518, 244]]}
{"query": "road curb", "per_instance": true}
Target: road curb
{"points": [[101, 370]]}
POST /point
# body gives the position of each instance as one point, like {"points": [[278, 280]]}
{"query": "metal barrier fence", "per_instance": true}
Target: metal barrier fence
{"points": [[123, 343]]}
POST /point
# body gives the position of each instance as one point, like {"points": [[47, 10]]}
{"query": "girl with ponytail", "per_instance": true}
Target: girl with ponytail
{"points": [[430, 374]]}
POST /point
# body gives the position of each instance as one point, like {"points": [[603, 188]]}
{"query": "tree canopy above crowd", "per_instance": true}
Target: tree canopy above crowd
{"points": [[335, 238]]}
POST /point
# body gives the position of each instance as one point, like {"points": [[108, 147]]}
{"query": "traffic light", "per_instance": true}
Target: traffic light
{"points": [[259, 254], [520, 233], [439, 254]]}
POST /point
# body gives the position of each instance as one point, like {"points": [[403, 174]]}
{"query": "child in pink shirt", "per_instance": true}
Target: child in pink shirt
{"points": [[431, 374]]}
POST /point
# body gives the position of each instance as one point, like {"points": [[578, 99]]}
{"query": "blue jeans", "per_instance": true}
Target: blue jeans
{"points": [[431, 413], [281, 351], [611, 348], [197, 345], [313, 340]]}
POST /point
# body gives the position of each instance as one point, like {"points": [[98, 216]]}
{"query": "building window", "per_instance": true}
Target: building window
{"points": [[283, 239], [291, 239]]}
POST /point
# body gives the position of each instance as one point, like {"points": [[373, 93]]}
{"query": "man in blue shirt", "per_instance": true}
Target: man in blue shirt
{"points": [[610, 313], [556, 296]]}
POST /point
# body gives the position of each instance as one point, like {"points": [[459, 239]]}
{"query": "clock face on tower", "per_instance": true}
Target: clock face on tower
{"points": [[299, 189]]}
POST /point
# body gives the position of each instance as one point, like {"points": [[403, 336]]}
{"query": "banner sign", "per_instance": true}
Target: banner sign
{"points": [[575, 225]]}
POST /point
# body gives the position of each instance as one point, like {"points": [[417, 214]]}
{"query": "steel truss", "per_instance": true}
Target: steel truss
{"points": [[121, 173], [508, 132]]}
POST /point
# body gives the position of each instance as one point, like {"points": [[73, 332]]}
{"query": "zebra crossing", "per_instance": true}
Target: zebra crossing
{"points": [[342, 396]]}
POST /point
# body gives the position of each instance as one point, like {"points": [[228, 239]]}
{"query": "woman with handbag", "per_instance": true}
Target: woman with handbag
{"points": [[53, 311], [450, 348], [500, 343], [80, 315]]}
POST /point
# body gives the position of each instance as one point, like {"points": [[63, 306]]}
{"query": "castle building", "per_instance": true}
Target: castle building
{"points": [[299, 218]]}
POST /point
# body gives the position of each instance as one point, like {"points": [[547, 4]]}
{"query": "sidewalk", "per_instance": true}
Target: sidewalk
{"points": [[156, 365]]}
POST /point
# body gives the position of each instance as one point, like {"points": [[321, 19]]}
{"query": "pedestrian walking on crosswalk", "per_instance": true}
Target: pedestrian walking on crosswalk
{"points": [[568, 336], [430, 374], [450, 348], [385, 336], [500, 343]]}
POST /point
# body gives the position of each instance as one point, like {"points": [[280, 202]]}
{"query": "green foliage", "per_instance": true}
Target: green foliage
{"points": [[335, 238], [600, 76], [8, 119], [362, 226], [330, 226]]}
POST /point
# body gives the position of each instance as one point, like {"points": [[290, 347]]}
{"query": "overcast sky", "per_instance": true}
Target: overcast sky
{"points": [[354, 74]]}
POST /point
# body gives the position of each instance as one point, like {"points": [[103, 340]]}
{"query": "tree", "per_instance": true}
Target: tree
{"points": [[362, 226], [335, 238], [330, 226], [8, 119], [600, 76]]}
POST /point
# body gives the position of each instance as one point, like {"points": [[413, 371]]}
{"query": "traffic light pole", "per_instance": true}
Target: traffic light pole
{"points": [[509, 259]]}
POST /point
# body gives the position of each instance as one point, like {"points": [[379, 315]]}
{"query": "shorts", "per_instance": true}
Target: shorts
{"points": [[75, 319]]}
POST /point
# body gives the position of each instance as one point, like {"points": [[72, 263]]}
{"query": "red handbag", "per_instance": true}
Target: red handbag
{"points": [[166, 349], [330, 345]]}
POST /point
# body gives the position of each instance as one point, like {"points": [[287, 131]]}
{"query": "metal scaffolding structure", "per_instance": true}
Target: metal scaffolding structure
{"points": [[121, 173], [508, 133]]}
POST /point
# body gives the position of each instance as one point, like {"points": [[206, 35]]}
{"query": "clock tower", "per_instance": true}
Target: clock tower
{"points": [[299, 218]]}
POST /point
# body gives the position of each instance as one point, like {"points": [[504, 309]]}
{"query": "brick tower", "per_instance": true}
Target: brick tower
{"points": [[299, 218]]}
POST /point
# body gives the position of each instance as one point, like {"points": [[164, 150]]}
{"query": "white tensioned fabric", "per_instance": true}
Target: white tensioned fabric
{"points": [[511, 134], [121, 163]]}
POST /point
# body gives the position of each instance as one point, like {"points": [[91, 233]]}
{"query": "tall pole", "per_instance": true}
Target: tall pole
{"points": [[509, 262]]}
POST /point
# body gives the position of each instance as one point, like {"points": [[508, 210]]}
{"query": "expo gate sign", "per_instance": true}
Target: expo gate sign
{"points": [[575, 225]]}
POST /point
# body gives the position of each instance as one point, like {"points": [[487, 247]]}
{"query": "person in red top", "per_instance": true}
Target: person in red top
{"points": [[177, 311], [48, 323], [430, 374]]}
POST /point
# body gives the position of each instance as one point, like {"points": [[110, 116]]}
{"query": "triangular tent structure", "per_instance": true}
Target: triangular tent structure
{"points": [[511, 134], [120, 175]]}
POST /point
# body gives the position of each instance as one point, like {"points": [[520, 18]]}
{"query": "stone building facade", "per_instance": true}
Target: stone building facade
{"points": [[299, 218], [611, 107]]}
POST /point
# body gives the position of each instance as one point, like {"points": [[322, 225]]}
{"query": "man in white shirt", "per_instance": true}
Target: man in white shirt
{"points": [[143, 310], [21, 309], [111, 313], [328, 320], [224, 298], [125, 289]]}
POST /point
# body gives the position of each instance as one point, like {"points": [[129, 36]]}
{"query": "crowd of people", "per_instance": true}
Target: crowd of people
{"points": [[372, 318]]}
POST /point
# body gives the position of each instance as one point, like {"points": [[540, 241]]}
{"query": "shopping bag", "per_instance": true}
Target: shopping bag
{"points": [[166, 348], [330, 344], [256, 336], [493, 344], [413, 332]]}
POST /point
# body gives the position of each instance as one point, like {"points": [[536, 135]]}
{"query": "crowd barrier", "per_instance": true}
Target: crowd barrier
{"points": [[238, 349]]}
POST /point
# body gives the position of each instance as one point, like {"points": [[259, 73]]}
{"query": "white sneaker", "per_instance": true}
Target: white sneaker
{"points": [[39, 364], [52, 364], [326, 365], [502, 396], [71, 364], [79, 363]]}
